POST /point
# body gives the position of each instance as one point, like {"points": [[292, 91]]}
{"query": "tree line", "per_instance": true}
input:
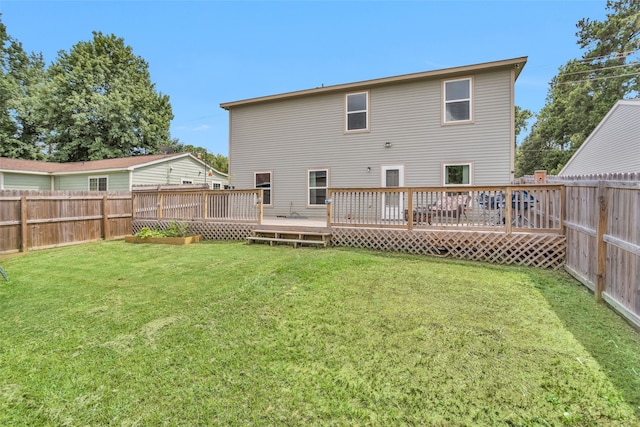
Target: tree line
{"points": [[94, 102], [97, 101], [585, 89]]}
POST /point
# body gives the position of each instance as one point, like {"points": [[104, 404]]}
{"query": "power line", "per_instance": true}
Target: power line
{"points": [[608, 56], [598, 78], [612, 67]]}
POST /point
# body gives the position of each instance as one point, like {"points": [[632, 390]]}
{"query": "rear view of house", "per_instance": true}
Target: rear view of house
{"points": [[446, 127]]}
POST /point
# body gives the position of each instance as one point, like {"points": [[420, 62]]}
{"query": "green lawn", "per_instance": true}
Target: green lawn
{"points": [[229, 334]]}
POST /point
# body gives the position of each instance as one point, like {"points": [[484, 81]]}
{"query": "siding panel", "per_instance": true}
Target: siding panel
{"points": [[289, 137]]}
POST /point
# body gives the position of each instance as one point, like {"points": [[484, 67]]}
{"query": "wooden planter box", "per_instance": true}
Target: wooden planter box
{"points": [[164, 240]]}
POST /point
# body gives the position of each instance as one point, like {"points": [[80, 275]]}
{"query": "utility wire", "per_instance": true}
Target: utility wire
{"points": [[608, 56], [593, 70], [598, 78]]}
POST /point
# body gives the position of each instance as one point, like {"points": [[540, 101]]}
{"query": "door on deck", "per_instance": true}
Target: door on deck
{"points": [[392, 202]]}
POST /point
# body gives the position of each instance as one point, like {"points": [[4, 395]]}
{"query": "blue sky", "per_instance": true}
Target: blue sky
{"points": [[202, 53]]}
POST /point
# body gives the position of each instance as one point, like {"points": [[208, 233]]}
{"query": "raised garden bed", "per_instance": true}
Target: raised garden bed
{"points": [[164, 240]]}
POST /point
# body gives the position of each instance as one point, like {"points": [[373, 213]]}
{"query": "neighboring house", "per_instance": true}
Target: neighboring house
{"points": [[446, 127], [613, 146], [110, 174]]}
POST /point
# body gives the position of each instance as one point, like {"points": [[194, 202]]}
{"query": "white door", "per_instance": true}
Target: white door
{"points": [[392, 202]]}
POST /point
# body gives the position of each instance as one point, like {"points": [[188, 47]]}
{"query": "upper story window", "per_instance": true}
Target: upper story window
{"points": [[457, 100], [98, 183], [357, 109], [263, 180]]}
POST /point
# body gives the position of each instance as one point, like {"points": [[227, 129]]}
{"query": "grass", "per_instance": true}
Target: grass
{"points": [[229, 334]]}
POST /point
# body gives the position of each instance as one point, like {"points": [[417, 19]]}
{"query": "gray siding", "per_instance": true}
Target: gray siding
{"points": [[289, 137], [613, 147], [23, 181]]}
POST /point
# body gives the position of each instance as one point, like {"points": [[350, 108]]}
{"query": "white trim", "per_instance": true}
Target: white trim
{"points": [[469, 100], [270, 172], [1, 180], [392, 212], [347, 112], [444, 175], [97, 177], [309, 188]]}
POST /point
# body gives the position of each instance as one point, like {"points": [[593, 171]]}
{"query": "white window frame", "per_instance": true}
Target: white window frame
{"points": [[98, 178], [309, 188], [444, 173], [270, 188], [186, 181], [347, 112], [445, 102], [216, 186]]}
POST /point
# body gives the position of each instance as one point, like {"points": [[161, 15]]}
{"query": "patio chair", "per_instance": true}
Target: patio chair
{"points": [[450, 206]]}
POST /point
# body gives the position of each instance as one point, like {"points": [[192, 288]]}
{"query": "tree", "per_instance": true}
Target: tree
{"points": [[21, 79], [217, 161], [585, 89], [100, 103], [522, 117]]}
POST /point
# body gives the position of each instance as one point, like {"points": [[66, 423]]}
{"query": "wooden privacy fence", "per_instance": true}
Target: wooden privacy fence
{"points": [[44, 219], [518, 208], [603, 237]]}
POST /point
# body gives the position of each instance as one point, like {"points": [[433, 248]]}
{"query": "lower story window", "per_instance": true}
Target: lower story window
{"points": [[98, 183], [216, 186], [318, 184], [457, 174], [263, 181]]}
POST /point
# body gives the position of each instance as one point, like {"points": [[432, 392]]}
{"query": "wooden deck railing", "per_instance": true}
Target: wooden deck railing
{"points": [[199, 205], [524, 208]]}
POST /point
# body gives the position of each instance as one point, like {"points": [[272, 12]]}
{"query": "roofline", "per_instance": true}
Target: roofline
{"points": [[517, 63], [634, 102], [168, 157]]}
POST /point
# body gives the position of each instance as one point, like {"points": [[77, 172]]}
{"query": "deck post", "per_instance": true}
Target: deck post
{"points": [[410, 209], [329, 210]]}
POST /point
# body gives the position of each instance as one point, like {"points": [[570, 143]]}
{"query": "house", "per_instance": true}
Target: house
{"points": [[109, 174], [613, 146], [453, 126]]}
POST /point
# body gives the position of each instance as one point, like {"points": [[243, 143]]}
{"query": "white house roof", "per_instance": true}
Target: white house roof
{"points": [[613, 146], [516, 64]]}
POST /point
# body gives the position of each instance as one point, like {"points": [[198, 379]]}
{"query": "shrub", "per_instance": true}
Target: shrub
{"points": [[174, 229]]}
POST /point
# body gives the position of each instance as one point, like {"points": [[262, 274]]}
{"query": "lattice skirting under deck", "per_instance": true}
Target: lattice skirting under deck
{"points": [[539, 250], [208, 230]]}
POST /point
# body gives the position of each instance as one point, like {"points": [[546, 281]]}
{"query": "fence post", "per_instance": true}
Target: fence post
{"points": [[105, 218], [23, 224], [601, 230]]}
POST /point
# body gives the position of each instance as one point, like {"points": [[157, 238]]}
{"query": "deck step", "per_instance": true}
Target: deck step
{"points": [[293, 237]]}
